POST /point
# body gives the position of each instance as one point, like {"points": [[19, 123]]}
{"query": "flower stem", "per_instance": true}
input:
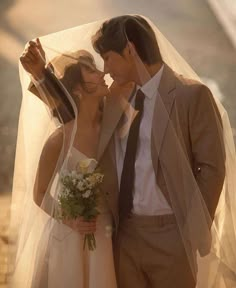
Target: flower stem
{"points": [[90, 241]]}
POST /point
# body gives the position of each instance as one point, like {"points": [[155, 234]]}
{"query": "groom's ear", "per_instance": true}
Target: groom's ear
{"points": [[132, 49], [129, 50]]}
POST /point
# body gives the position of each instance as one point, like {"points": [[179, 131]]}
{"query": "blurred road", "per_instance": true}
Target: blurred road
{"points": [[190, 25]]}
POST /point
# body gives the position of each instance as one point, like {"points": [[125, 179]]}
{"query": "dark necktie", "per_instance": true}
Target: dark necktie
{"points": [[128, 172]]}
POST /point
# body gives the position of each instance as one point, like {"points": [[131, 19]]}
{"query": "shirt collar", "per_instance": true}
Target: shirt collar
{"points": [[150, 87]]}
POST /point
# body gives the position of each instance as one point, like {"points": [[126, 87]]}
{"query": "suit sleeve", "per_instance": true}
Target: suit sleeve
{"points": [[206, 135]]}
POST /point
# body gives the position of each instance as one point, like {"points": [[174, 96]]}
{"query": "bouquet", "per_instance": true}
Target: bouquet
{"points": [[79, 195]]}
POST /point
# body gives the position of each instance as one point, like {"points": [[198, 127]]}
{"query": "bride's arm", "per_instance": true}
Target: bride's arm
{"points": [[47, 167], [48, 164], [44, 84]]}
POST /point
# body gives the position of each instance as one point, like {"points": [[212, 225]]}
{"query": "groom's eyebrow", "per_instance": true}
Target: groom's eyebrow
{"points": [[104, 55]]}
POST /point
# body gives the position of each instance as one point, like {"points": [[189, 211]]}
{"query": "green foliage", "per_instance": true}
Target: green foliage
{"points": [[79, 195]]}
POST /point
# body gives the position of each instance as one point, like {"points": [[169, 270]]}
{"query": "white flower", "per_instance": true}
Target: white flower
{"points": [[67, 191], [80, 186], [90, 186], [98, 177], [87, 165], [87, 194], [73, 174], [79, 176], [74, 181], [91, 181]]}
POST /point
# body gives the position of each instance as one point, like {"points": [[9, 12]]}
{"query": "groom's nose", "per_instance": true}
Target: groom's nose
{"points": [[106, 69], [102, 74]]}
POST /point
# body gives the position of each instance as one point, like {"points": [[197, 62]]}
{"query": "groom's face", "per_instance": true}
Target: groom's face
{"points": [[119, 66]]}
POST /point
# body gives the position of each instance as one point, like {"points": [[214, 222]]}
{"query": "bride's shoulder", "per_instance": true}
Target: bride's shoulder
{"points": [[57, 139], [53, 145], [59, 133]]}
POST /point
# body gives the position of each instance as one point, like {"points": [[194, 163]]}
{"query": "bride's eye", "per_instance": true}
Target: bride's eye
{"points": [[96, 71], [92, 70]]}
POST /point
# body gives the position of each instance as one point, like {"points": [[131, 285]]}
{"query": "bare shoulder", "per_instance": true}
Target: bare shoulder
{"points": [[59, 137], [52, 147], [54, 141], [48, 162]]}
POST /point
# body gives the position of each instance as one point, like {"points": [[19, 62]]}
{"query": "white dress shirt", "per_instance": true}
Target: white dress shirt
{"points": [[147, 197]]}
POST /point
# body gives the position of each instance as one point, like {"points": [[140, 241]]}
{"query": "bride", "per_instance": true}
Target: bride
{"points": [[64, 262]]}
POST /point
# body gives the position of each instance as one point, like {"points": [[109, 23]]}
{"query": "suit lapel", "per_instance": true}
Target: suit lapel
{"points": [[113, 111], [162, 111]]}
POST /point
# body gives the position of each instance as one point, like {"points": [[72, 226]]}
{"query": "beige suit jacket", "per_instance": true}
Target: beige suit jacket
{"points": [[191, 121]]}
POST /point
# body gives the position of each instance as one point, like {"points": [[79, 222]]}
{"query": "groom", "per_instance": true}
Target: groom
{"points": [[141, 164]]}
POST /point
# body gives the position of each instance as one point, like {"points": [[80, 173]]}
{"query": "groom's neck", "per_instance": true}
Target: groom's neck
{"points": [[153, 69], [150, 71]]}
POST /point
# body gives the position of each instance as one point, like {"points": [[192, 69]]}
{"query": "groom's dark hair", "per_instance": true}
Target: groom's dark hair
{"points": [[114, 34]]}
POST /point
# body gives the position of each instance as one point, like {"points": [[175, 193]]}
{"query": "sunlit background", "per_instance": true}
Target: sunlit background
{"points": [[202, 31]]}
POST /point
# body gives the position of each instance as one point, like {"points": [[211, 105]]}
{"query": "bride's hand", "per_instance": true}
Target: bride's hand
{"points": [[124, 91], [86, 227], [33, 59], [81, 226]]}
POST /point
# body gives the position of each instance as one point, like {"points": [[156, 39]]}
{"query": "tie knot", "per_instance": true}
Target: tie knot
{"points": [[139, 99]]}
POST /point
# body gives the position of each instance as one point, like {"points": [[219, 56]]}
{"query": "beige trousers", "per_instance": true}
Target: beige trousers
{"points": [[149, 253]]}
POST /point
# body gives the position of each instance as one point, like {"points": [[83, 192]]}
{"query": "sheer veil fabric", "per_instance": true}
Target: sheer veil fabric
{"points": [[214, 242]]}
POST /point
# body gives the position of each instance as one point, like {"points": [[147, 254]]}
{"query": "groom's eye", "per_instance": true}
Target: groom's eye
{"points": [[105, 58]]}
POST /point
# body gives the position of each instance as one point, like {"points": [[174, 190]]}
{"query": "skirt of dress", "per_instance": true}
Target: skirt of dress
{"points": [[65, 262]]}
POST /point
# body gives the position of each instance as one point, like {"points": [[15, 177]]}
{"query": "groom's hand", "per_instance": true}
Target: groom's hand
{"points": [[33, 59]]}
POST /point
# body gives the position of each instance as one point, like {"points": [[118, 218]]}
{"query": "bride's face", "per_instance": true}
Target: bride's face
{"points": [[94, 83]]}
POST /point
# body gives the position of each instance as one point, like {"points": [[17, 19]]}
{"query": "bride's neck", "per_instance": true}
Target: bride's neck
{"points": [[89, 112]]}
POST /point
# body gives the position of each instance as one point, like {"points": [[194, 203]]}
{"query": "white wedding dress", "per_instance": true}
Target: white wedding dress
{"points": [[65, 262]]}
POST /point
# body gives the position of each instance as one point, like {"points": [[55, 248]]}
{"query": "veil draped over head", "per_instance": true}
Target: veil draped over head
{"points": [[209, 233]]}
